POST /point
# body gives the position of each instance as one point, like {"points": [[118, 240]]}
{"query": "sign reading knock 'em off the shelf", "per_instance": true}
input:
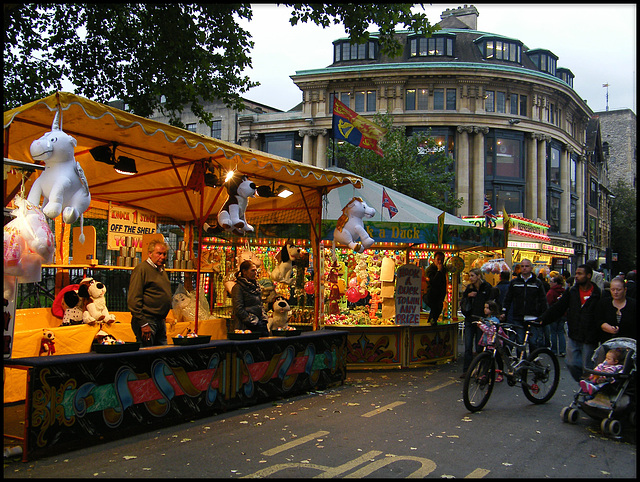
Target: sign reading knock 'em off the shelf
{"points": [[408, 296], [129, 223]]}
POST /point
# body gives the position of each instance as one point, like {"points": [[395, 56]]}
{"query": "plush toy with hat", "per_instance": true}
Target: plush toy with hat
{"points": [[47, 343], [96, 310], [231, 217]]}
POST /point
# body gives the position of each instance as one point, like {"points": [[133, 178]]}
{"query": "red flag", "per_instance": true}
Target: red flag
{"points": [[388, 203]]}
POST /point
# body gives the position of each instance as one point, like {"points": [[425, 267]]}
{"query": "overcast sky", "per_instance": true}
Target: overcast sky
{"points": [[596, 42]]}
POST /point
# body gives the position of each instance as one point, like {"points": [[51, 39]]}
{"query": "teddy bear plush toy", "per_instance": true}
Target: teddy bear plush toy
{"points": [[231, 217], [96, 310], [47, 343], [280, 314]]}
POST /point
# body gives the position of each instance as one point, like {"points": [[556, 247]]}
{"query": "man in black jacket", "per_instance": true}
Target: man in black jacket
{"points": [[527, 296], [437, 276], [579, 302]]}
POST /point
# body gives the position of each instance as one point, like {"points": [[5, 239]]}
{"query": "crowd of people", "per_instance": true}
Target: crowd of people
{"points": [[576, 313]]}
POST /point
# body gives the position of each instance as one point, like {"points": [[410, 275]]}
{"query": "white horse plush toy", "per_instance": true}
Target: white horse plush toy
{"points": [[62, 184], [350, 226], [231, 216]]}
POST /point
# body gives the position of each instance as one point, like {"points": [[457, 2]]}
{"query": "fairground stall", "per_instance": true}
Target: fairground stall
{"points": [[140, 174], [526, 239], [377, 296]]}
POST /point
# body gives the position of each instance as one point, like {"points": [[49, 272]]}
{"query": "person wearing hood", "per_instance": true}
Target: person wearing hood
{"points": [[556, 329]]}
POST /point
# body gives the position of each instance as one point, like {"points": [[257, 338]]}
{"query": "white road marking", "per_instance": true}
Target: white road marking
{"points": [[442, 385], [477, 474], [382, 409]]}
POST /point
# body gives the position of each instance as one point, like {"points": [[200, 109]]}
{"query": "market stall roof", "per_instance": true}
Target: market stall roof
{"points": [[170, 162], [409, 210]]}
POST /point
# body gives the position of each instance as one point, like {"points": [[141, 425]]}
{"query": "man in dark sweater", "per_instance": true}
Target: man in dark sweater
{"points": [[149, 297], [437, 276]]}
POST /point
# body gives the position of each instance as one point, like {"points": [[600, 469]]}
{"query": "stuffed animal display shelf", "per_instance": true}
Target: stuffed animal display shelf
{"points": [[62, 184], [350, 226]]}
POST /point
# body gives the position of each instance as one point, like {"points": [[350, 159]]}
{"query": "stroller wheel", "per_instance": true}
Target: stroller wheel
{"points": [[632, 418], [573, 415], [615, 428], [604, 426], [564, 414]]}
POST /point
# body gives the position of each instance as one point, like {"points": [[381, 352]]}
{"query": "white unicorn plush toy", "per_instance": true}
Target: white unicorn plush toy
{"points": [[62, 184], [350, 226]]}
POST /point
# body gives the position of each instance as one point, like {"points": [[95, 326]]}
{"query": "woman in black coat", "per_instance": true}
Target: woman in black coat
{"points": [[477, 292], [246, 295], [617, 314]]}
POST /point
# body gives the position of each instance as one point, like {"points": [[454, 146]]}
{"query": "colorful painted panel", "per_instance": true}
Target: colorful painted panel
{"points": [[432, 343], [374, 346], [78, 400]]}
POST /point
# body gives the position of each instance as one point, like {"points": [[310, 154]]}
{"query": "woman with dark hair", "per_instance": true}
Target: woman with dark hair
{"points": [[246, 295], [617, 313]]}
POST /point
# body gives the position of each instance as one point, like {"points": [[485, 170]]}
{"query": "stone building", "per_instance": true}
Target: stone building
{"points": [[508, 115], [619, 144]]}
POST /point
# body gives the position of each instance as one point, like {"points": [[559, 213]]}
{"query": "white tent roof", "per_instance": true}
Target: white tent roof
{"points": [[409, 210]]}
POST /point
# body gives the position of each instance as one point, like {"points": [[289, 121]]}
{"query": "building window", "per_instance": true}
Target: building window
{"points": [[523, 105], [438, 99], [505, 198], [544, 60], [366, 101], [216, 129], [444, 138], [436, 46], [343, 50], [191, 127], [286, 144], [553, 208], [573, 174], [451, 99], [504, 156], [573, 210], [553, 165], [593, 193], [489, 101], [500, 49], [410, 99], [566, 76], [513, 104], [501, 102]]}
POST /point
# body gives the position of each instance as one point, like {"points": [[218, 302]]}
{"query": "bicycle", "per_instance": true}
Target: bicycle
{"points": [[538, 372]]}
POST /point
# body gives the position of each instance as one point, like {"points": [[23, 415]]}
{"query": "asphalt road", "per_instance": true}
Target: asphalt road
{"points": [[400, 423]]}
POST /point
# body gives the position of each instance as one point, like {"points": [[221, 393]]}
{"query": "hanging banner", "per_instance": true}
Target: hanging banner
{"points": [[128, 225], [408, 296]]}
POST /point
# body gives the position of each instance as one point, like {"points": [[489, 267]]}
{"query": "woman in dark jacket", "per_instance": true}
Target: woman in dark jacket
{"points": [[617, 314], [477, 292], [246, 296]]}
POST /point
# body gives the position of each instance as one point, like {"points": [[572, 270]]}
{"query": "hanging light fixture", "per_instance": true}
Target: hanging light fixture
{"points": [[104, 154], [283, 192], [126, 165]]}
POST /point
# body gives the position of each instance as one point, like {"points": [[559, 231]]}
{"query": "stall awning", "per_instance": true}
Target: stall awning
{"points": [[170, 162]]}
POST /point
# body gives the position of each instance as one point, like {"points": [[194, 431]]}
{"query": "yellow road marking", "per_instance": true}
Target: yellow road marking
{"points": [[295, 443], [442, 385], [477, 474]]}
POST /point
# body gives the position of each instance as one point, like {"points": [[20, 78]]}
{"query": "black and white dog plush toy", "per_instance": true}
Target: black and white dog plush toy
{"points": [[283, 273], [280, 314], [232, 215]]}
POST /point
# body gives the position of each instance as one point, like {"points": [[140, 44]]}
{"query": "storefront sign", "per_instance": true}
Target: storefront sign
{"points": [[557, 249], [520, 226], [129, 223], [523, 245], [408, 295]]}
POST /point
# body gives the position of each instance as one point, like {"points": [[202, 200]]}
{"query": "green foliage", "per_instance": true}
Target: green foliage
{"points": [[623, 227], [428, 178], [138, 52]]}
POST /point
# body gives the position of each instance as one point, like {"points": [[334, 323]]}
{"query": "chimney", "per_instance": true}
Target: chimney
{"points": [[467, 14]]}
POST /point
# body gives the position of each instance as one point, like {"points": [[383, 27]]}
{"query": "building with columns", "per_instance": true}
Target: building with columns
{"points": [[507, 114]]}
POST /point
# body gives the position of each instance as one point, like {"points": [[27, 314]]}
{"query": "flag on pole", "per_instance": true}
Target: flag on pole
{"points": [[355, 129], [489, 215], [441, 227], [506, 226], [388, 203]]}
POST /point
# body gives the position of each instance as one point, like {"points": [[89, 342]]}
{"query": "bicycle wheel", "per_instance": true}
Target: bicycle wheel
{"points": [[478, 384], [541, 379]]}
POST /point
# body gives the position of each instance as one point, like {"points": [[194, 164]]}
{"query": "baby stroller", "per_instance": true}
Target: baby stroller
{"points": [[616, 400]]}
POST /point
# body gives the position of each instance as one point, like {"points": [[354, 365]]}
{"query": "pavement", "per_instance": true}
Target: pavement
{"points": [[380, 423]]}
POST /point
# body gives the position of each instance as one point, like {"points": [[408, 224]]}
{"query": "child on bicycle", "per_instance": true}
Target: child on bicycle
{"points": [[492, 312]]}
